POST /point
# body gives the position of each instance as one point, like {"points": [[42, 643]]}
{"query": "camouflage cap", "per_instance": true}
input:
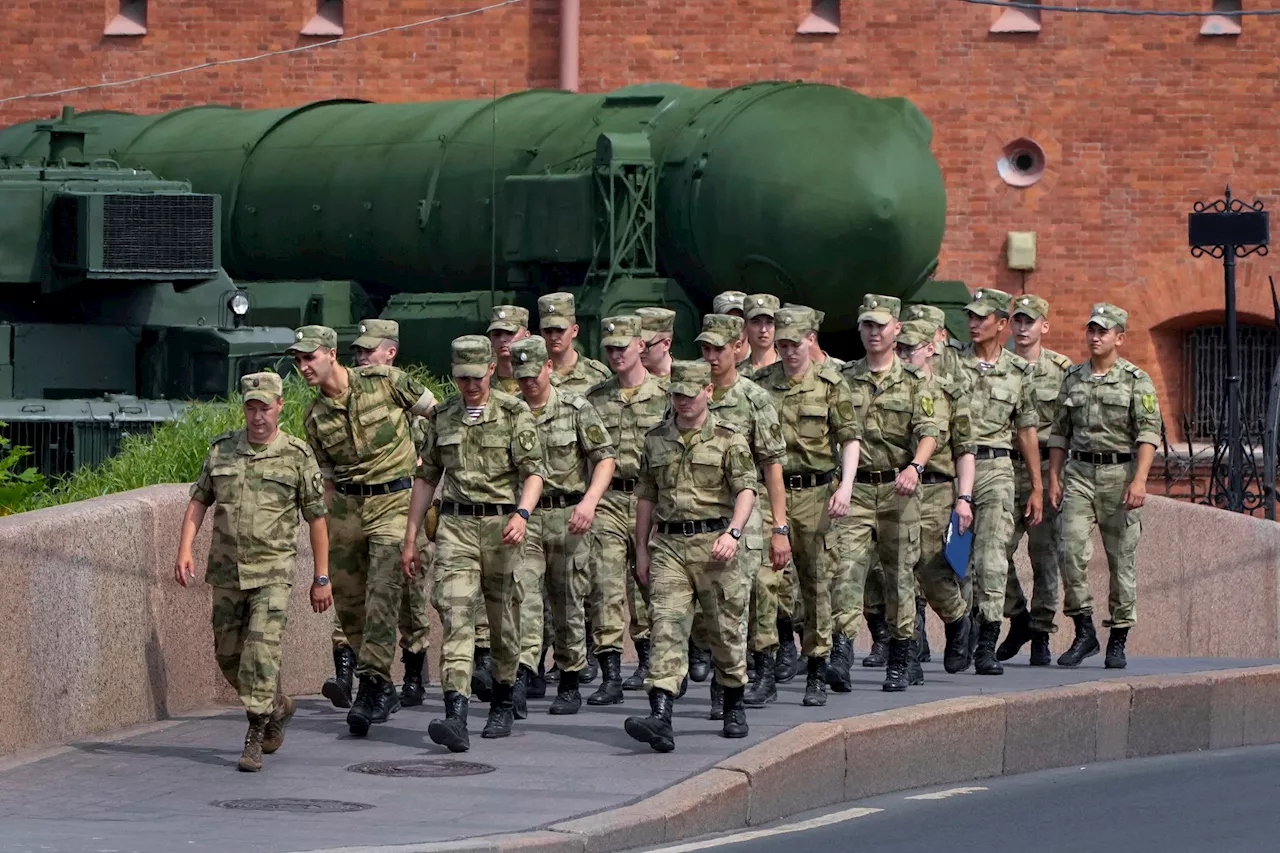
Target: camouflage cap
{"points": [[264, 387], [618, 331], [556, 311], [374, 332], [792, 324], [988, 300], [528, 355], [815, 316], [932, 313], [508, 318], [1033, 306], [471, 356], [655, 321], [720, 330], [916, 332], [730, 300], [312, 338], [689, 377], [1109, 316], [879, 309], [758, 304]]}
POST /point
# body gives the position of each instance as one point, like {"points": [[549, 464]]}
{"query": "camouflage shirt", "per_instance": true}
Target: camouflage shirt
{"points": [[946, 360], [256, 497], [700, 480], [816, 413], [1046, 383], [572, 434], [484, 461], [365, 437], [582, 377], [1113, 412], [506, 384], [952, 409], [895, 414], [628, 415], [750, 408], [1001, 398]]}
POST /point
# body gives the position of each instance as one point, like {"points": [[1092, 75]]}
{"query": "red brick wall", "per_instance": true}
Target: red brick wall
{"points": [[1139, 117]]}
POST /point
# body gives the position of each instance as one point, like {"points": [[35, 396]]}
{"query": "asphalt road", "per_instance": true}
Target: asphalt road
{"points": [[1222, 801]]}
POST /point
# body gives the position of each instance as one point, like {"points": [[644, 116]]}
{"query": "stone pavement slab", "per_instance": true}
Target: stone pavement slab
{"points": [[164, 789]]}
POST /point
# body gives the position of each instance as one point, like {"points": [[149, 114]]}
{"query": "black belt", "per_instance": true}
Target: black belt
{"points": [[876, 478], [692, 528], [623, 484], [807, 481], [362, 490], [932, 477], [1016, 455], [991, 452], [476, 510], [561, 501], [1111, 458]]}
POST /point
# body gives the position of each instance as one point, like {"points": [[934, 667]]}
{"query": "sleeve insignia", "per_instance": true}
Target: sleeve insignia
{"points": [[926, 403], [595, 434], [1149, 403], [526, 440], [845, 409]]}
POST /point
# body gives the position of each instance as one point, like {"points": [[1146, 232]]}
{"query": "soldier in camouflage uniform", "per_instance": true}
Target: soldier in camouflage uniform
{"points": [[484, 457], [507, 324], [697, 483], [1001, 400], [739, 401], [900, 430], [258, 479], [815, 408], [758, 312], [1030, 321], [946, 358], [630, 404], [358, 426], [580, 464], [733, 304], [1108, 424]]}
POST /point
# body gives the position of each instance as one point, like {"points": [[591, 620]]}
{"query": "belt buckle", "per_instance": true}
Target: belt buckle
{"points": [[795, 481], [688, 528]]}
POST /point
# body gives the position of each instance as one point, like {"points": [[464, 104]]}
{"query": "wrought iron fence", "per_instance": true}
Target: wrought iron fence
{"points": [[1205, 377]]}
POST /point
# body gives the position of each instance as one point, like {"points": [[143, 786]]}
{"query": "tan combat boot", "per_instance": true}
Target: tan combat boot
{"points": [[251, 759], [281, 714]]}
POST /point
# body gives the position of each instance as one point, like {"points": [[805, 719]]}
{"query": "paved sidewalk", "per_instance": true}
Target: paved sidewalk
{"points": [[158, 791]]}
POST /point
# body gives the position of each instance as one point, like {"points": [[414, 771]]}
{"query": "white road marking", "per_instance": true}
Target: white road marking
{"points": [[942, 795], [738, 838]]}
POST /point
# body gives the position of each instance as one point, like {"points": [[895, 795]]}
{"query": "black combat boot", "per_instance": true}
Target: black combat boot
{"points": [[1040, 648], [451, 732], [684, 687], [1019, 635], [360, 717], [915, 672], [637, 679], [895, 672], [415, 678], [520, 692], [1085, 644], [1115, 649], [839, 662], [538, 682], [956, 657], [735, 714], [764, 685], [975, 627], [878, 656], [386, 701], [655, 729], [788, 661], [610, 690], [984, 659], [568, 700], [717, 700], [590, 672], [337, 689], [501, 712], [922, 631], [482, 674], [815, 687], [699, 663]]}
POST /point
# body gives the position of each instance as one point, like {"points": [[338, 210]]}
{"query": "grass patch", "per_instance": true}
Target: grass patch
{"points": [[174, 452]]}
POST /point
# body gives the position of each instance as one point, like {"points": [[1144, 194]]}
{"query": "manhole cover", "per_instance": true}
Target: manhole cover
{"points": [[423, 768], [292, 805]]}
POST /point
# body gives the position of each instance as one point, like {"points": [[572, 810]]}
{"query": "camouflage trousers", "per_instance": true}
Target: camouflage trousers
{"points": [[613, 547], [637, 605], [873, 589], [993, 513], [1042, 548], [682, 572], [807, 517], [365, 536], [936, 580], [471, 559], [414, 601], [749, 550], [1093, 496], [561, 559], [887, 524], [248, 627]]}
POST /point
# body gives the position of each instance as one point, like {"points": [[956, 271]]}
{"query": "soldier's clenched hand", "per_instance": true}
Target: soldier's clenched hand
{"points": [[724, 548], [513, 533], [321, 597], [584, 514], [409, 559]]}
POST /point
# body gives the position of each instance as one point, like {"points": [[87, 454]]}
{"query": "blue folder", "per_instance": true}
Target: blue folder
{"points": [[957, 546]]}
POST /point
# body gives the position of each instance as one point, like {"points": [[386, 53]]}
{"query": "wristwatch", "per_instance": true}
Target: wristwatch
{"points": [[523, 513], [967, 498], [783, 530], [919, 468], [735, 533], [323, 580]]}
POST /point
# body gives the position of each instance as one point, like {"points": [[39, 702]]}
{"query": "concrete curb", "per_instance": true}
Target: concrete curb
{"points": [[956, 740]]}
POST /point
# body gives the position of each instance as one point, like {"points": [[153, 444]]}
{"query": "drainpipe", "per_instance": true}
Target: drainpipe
{"points": [[569, 17]]}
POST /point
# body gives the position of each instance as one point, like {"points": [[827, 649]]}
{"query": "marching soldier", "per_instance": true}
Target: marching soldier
{"points": [[733, 304], [1108, 424], [1030, 322], [815, 408], [697, 481], [558, 547], [946, 357], [483, 455], [258, 479], [657, 329], [359, 427], [507, 324], [630, 404], [574, 373], [759, 311]]}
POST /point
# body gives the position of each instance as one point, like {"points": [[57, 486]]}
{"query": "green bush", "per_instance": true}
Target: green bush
{"points": [[17, 485], [174, 452]]}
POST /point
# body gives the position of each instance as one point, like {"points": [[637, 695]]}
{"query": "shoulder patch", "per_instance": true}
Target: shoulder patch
{"points": [[829, 374], [375, 370], [912, 369], [1060, 360], [726, 427], [955, 344], [1138, 372], [223, 436], [596, 434], [575, 401]]}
